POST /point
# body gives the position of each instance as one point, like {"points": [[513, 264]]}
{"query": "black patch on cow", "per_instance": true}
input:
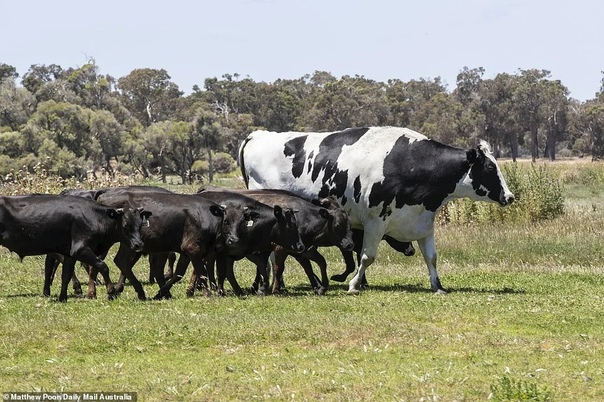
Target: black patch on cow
{"points": [[357, 189], [312, 153], [295, 147], [421, 172], [334, 180]]}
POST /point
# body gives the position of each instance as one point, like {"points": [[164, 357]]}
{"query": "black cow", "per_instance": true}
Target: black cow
{"points": [[268, 225], [181, 223], [52, 261], [78, 228], [322, 223]]}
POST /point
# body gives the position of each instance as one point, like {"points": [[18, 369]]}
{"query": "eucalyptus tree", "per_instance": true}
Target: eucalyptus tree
{"points": [[8, 72], [528, 99], [346, 102], [150, 95], [16, 104], [406, 99], [554, 112]]}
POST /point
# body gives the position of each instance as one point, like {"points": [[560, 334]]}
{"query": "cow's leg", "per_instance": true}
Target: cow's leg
{"points": [[320, 285], [225, 269], [351, 264], [278, 257], [171, 260], [66, 275], [221, 269], [156, 270], [87, 256], [371, 241], [157, 263], [428, 248], [51, 263], [262, 280], [125, 260], [77, 286], [210, 264], [181, 270]]}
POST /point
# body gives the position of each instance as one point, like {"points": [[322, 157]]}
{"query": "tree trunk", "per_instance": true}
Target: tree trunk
{"points": [[211, 166], [534, 142], [550, 145], [514, 146]]}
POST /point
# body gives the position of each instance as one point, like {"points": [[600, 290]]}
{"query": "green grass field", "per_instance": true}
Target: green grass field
{"points": [[522, 321]]}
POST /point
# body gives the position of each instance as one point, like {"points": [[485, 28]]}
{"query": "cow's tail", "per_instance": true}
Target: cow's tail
{"points": [[241, 161]]}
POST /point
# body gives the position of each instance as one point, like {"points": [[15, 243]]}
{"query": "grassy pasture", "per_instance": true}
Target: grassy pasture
{"points": [[522, 321]]}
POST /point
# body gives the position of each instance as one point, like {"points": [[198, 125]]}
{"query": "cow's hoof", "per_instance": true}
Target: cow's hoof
{"points": [[158, 297], [91, 296], [190, 293], [77, 292], [353, 292], [440, 292]]}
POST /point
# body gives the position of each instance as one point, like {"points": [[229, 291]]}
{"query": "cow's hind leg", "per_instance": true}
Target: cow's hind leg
{"points": [[428, 249], [370, 246]]}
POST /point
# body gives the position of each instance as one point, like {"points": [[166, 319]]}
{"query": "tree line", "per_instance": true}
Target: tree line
{"points": [[77, 121]]}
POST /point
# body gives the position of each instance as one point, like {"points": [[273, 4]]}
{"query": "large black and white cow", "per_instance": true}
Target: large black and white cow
{"points": [[391, 181]]}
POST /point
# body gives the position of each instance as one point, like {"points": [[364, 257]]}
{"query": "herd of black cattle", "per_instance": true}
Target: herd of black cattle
{"points": [[210, 229]]}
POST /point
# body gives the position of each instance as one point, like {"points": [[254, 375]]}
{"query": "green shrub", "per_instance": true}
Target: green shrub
{"points": [[223, 163], [508, 389], [538, 195]]}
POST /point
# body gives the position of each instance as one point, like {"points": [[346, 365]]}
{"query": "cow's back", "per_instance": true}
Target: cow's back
{"points": [[41, 224]]}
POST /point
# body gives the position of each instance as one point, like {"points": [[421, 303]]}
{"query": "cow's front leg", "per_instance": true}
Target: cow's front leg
{"points": [[51, 263], [181, 270], [86, 256], [428, 249], [125, 260]]}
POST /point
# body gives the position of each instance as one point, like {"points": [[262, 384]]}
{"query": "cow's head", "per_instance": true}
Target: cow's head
{"points": [[131, 220], [485, 176], [339, 228], [234, 220], [288, 234]]}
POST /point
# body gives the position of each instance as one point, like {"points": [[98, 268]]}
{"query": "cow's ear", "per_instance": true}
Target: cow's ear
{"points": [[114, 213], [217, 210], [325, 214], [472, 156], [278, 211]]}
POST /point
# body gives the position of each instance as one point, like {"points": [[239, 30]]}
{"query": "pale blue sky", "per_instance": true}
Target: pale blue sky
{"points": [[271, 39]]}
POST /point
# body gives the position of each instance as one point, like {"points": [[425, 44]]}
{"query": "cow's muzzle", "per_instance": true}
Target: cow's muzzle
{"points": [[506, 199], [347, 245], [137, 246]]}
